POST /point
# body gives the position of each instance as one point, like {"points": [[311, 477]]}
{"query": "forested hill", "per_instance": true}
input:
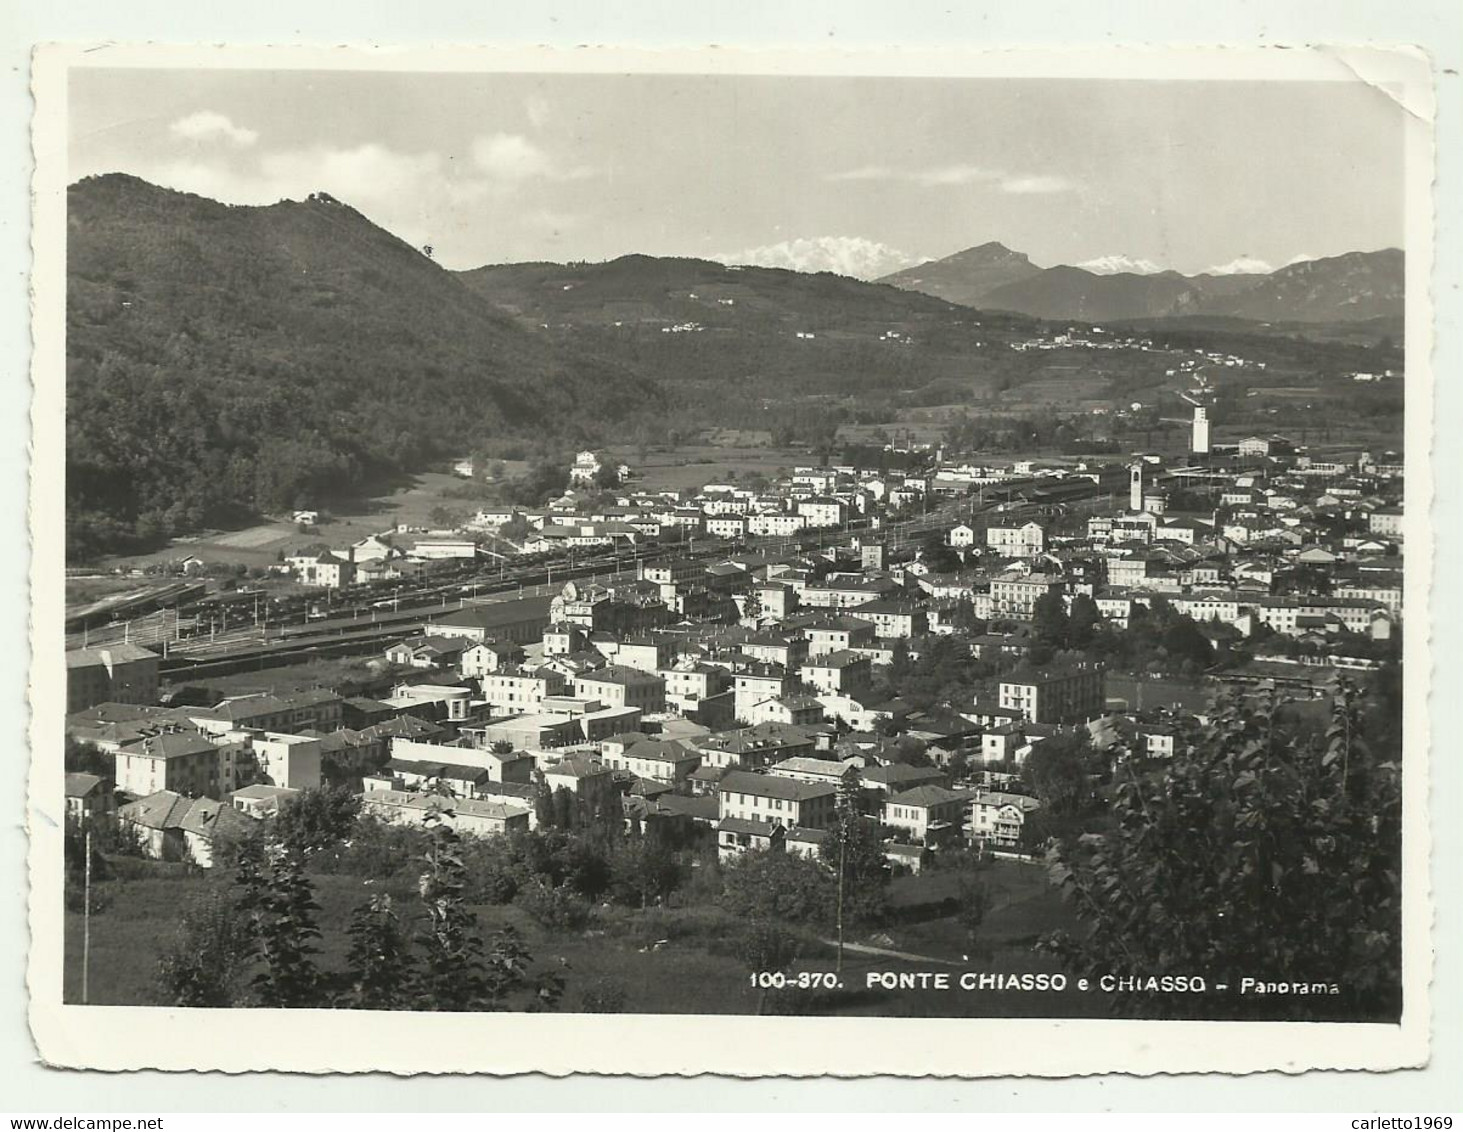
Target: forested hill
{"points": [[763, 348], [672, 289], [227, 360]]}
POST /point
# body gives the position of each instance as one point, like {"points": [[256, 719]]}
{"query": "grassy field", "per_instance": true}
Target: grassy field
{"points": [[670, 961], [694, 465], [411, 503]]}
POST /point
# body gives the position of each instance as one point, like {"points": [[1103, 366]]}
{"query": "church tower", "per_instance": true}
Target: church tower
{"points": [[1200, 444]]}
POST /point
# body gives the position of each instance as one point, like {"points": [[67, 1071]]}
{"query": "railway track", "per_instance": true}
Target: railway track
{"points": [[366, 625]]}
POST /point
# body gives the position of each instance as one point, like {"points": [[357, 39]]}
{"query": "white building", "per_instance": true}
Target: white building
{"points": [[1026, 541], [288, 760], [962, 536], [585, 468]]}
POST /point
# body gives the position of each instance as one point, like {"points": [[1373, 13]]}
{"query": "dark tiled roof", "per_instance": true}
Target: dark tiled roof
{"points": [[769, 786]]}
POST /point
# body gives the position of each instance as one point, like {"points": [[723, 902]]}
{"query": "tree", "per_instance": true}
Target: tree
{"points": [[317, 818], [1058, 770], [965, 619], [501, 747], [1251, 854], [899, 666], [644, 870], [543, 801], [515, 529], [911, 750], [763, 885], [937, 554], [1184, 641], [87, 758], [1083, 621], [1049, 621], [564, 808], [855, 850]]}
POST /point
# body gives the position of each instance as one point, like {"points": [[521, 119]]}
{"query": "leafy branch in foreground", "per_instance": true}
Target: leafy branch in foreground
{"points": [[457, 972], [1256, 854]]}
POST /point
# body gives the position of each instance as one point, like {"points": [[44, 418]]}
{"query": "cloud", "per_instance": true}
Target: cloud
{"points": [[422, 197], [513, 158], [367, 173], [1036, 184], [207, 125], [865, 173], [956, 175], [939, 176], [395, 182], [509, 156], [843, 255]]}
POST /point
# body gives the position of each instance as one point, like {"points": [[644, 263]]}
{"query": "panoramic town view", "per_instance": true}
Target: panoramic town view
{"points": [[530, 619]]}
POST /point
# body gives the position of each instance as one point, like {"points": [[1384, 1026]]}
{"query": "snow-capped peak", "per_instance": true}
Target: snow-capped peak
{"points": [[855, 256], [1243, 265], [1117, 264]]}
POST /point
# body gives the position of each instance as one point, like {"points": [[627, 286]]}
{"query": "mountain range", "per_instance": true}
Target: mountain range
{"points": [[1354, 287], [227, 361]]}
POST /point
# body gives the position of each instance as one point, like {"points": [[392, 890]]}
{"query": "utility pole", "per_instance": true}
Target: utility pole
{"points": [[842, 849], [86, 923]]}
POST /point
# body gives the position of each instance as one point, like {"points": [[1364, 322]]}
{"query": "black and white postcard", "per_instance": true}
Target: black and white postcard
{"points": [[769, 563]]}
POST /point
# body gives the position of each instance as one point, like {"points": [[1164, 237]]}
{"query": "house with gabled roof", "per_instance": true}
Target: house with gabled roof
{"points": [[176, 760], [775, 799], [997, 818], [87, 796], [490, 656], [794, 709], [169, 826], [928, 814]]}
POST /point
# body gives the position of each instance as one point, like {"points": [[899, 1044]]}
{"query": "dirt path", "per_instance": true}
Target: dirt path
{"points": [[889, 953]]}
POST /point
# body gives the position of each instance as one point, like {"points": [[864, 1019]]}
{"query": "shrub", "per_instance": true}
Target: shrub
{"points": [[555, 907], [778, 886]]}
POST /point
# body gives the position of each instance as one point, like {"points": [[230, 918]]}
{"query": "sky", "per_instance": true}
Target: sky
{"points": [[860, 175]]}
